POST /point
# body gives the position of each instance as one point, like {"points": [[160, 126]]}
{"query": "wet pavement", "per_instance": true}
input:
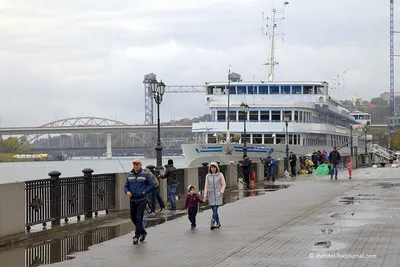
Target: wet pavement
{"points": [[314, 222], [62, 245]]}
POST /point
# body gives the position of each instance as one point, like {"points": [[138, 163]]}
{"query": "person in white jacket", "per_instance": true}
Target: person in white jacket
{"points": [[213, 192]]}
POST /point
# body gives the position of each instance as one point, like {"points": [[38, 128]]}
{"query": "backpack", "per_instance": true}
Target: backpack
{"points": [[154, 179]]}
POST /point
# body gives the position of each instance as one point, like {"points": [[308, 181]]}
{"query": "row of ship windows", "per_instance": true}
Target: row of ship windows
{"points": [[294, 139], [266, 89], [264, 115]]}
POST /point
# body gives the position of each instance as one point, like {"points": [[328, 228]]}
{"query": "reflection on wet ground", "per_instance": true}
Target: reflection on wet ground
{"points": [[62, 246]]}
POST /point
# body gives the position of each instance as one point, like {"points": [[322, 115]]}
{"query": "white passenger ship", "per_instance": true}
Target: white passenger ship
{"points": [[315, 121]]}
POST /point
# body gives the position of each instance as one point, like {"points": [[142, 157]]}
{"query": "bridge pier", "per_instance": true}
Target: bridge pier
{"points": [[109, 149]]}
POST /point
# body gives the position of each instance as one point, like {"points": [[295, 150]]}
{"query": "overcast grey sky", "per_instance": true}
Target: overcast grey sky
{"points": [[63, 59]]}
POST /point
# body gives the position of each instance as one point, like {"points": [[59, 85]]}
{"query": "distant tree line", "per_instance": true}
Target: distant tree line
{"points": [[13, 145]]}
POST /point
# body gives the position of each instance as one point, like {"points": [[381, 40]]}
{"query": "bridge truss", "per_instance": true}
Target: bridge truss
{"points": [[145, 138]]}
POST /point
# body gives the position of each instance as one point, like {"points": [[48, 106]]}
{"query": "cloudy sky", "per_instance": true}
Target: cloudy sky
{"points": [[61, 59]]}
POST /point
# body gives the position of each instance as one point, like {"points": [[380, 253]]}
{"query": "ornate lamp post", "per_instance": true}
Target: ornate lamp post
{"points": [[365, 140], [286, 119], [351, 139], [244, 108], [158, 89]]}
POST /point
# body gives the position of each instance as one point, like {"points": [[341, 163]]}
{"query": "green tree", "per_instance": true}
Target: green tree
{"points": [[378, 101]]}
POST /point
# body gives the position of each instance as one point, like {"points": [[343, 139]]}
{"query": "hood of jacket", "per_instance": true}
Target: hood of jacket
{"points": [[213, 164]]}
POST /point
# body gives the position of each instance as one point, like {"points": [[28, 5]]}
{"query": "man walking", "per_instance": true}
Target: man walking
{"points": [[155, 193], [314, 158], [172, 183], [138, 184], [334, 160]]}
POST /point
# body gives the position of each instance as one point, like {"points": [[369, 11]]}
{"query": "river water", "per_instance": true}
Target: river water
{"points": [[23, 171]]}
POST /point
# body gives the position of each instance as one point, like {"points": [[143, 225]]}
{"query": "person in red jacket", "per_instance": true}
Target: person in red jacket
{"points": [[192, 205]]}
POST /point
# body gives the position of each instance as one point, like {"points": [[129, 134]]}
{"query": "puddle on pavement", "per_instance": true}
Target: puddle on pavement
{"points": [[328, 246], [62, 246]]}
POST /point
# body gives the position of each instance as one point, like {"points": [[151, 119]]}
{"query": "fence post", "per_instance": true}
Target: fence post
{"points": [[55, 197], [87, 173]]}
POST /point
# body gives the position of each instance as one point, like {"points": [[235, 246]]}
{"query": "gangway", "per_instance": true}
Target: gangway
{"points": [[382, 153]]}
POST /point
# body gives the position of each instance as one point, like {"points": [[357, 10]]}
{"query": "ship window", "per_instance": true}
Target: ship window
{"points": [[211, 139], [291, 139], [276, 115], [264, 115], [263, 89], [296, 89], [274, 89], [210, 90], [219, 90], [253, 115], [268, 139], [232, 115], [307, 89], [296, 116], [252, 89], [221, 115], [257, 138], [242, 115], [285, 89], [232, 90], [287, 113], [241, 90], [318, 90]]}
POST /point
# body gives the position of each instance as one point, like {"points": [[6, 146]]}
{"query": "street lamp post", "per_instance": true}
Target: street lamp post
{"points": [[351, 139], [286, 119], [158, 89], [365, 140], [244, 108]]}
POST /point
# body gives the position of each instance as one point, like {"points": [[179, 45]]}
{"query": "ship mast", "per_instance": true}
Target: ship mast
{"points": [[271, 36]]}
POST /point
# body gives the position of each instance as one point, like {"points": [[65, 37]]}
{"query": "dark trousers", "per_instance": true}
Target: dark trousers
{"points": [[293, 169], [155, 196], [192, 212], [271, 174], [137, 212], [246, 177]]}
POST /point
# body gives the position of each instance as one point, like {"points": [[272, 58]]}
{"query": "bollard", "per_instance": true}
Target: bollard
{"points": [[55, 197], [87, 173]]}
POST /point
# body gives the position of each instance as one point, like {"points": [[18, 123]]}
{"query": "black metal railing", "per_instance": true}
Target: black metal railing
{"points": [[55, 198]]}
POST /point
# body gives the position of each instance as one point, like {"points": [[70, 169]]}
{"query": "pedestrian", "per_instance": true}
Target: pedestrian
{"points": [[334, 160], [314, 158], [155, 193], [213, 191], [172, 183], [269, 165], [192, 205], [349, 167], [246, 165], [292, 161], [138, 184]]}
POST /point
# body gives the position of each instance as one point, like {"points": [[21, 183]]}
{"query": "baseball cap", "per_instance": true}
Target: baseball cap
{"points": [[137, 161]]}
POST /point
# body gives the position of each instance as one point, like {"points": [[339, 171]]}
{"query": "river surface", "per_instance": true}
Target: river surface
{"points": [[23, 171]]}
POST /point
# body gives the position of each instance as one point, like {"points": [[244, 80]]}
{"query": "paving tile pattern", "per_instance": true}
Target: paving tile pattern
{"points": [[276, 229]]}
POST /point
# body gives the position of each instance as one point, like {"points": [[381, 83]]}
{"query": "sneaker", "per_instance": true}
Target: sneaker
{"points": [[135, 240], [152, 214], [336, 178], [218, 225], [349, 177], [212, 225], [193, 226], [173, 208], [161, 209], [143, 236]]}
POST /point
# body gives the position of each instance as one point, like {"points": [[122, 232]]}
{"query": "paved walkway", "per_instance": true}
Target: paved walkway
{"points": [[290, 227]]}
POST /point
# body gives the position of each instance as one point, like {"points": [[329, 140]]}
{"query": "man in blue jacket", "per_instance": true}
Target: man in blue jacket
{"points": [[269, 165], [138, 184]]}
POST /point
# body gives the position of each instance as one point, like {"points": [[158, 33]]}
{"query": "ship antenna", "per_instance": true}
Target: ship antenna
{"points": [[228, 136], [271, 36]]}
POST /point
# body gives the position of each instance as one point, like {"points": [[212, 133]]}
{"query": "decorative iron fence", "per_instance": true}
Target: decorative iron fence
{"points": [[53, 199]]}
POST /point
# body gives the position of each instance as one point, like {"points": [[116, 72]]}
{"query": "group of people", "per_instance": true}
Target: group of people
{"points": [[140, 182], [333, 159]]}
